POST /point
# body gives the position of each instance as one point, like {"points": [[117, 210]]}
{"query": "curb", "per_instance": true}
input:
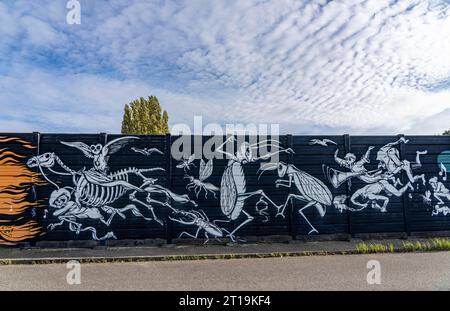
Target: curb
{"points": [[433, 245], [30, 261], [123, 259]]}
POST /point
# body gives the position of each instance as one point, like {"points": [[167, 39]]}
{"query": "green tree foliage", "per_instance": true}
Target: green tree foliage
{"points": [[145, 116], [165, 118], [447, 132]]}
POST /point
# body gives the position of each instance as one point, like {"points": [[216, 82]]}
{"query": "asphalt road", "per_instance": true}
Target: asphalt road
{"points": [[418, 271]]}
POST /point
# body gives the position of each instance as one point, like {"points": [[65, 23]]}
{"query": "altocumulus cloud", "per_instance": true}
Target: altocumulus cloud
{"points": [[369, 66]]}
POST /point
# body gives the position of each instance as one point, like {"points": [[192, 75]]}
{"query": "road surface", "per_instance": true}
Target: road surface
{"points": [[408, 271]]}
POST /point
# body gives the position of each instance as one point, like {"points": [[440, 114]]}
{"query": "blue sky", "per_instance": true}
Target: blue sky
{"points": [[314, 67]]}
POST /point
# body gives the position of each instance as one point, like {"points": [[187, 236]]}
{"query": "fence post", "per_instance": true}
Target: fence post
{"points": [[291, 220], [169, 225], [406, 216], [34, 189], [36, 142], [348, 148], [103, 138]]}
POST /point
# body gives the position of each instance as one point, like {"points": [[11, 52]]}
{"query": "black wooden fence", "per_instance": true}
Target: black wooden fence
{"points": [[26, 214]]}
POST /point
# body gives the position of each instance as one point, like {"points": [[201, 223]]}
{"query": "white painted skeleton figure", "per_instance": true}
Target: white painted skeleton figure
{"points": [[357, 169], [233, 187], [439, 190], [310, 190], [95, 190], [389, 160], [371, 194], [199, 184], [440, 209], [67, 210], [99, 153], [384, 179]]}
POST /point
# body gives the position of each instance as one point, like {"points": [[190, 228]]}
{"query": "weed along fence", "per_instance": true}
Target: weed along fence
{"points": [[101, 187]]}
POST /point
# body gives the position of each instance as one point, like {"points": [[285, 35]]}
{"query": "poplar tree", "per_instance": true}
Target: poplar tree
{"points": [[165, 122], [145, 116]]}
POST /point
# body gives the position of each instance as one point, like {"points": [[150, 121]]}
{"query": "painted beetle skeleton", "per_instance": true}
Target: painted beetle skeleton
{"points": [[199, 219]]}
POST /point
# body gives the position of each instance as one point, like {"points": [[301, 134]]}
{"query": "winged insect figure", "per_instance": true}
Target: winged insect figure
{"points": [[199, 184], [202, 222], [187, 162], [147, 151], [323, 142], [310, 190], [99, 153], [233, 186]]}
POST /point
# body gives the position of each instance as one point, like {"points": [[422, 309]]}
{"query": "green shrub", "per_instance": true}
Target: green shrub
{"points": [[362, 248], [440, 244]]}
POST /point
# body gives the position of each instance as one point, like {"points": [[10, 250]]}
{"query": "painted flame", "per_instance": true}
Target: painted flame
{"points": [[12, 234], [16, 182]]}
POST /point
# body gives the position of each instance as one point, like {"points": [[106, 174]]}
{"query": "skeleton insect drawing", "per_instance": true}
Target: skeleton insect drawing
{"points": [[186, 163], [215, 198], [199, 219], [233, 187], [310, 190]]}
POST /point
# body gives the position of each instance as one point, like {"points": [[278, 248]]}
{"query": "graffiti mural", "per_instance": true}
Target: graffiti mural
{"points": [[94, 191], [103, 191], [309, 190], [199, 184], [381, 183], [321, 142], [17, 184], [438, 192], [186, 163], [202, 222]]}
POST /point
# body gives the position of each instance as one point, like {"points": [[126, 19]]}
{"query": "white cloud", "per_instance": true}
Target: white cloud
{"points": [[349, 67], [38, 32], [434, 124], [81, 103]]}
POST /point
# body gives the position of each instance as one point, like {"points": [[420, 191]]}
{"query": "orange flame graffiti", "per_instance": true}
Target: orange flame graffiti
{"points": [[16, 181], [12, 234]]}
